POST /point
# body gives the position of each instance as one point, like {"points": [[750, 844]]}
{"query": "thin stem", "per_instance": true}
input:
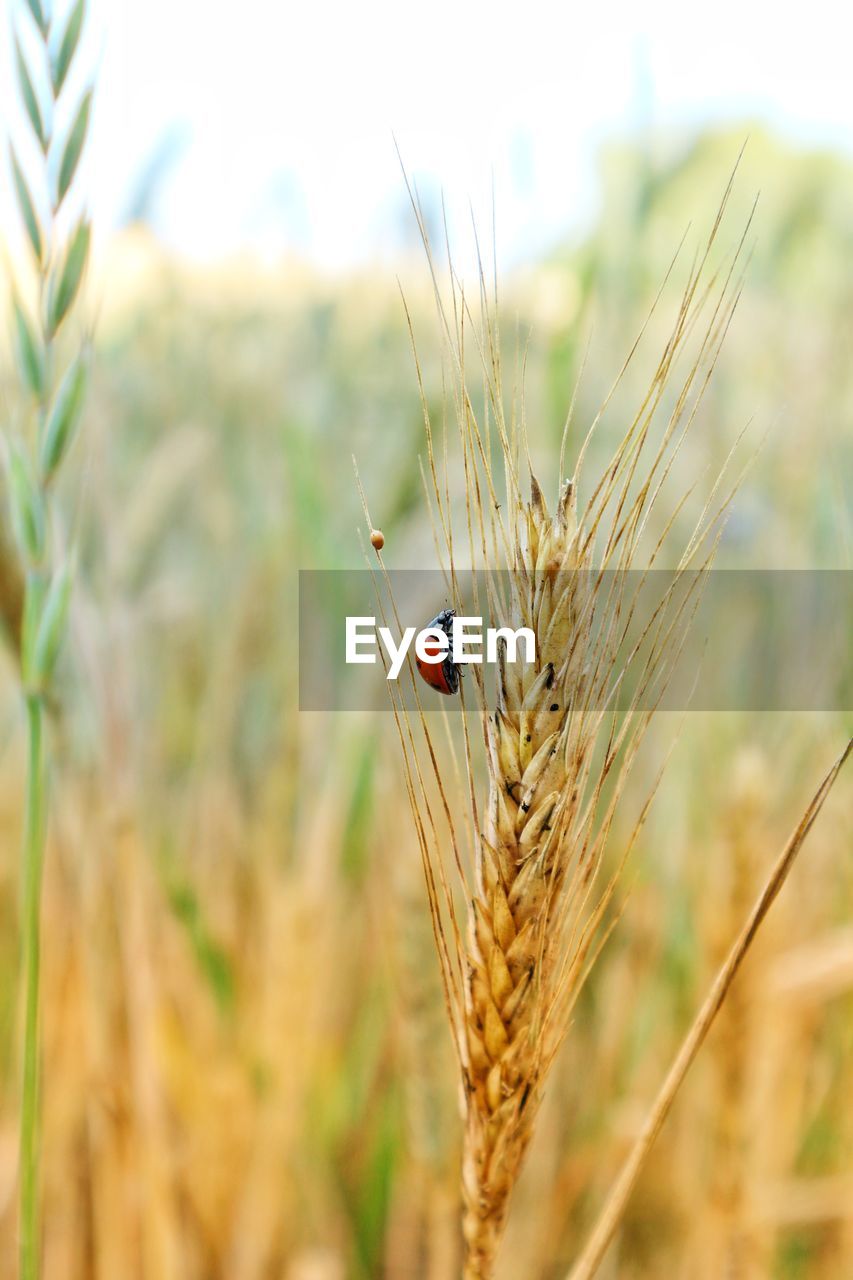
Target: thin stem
{"points": [[611, 1215], [44, 615], [34, 828]]}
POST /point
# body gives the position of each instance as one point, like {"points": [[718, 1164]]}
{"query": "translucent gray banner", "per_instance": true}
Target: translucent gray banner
{"points": [[757, 640]]}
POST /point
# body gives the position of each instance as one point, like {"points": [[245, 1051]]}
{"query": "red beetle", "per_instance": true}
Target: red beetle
{"points": [[443, 676]]}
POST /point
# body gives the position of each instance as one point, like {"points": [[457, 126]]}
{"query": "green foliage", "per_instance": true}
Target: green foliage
{"points": [[63, 51], [65, 279], [73, 147], [61, 422], [51, 628], [40, 15], [29, 351], [47, 578], [27, 504], [210, 957], [29, 98], [27, 208], [34, 597]]}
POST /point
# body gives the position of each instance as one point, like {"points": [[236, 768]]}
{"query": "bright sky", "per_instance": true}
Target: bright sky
{"points": [[281, 117]]}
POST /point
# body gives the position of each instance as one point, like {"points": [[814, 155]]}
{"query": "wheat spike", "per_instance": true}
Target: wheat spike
{"points": [[558, 742], [533, 763]]}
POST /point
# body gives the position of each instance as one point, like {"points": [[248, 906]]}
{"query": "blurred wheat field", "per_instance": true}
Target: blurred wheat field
{"points": [[246, 1068]]}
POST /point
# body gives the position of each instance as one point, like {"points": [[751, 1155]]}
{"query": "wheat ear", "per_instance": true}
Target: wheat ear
{"points": [[558, 747]]}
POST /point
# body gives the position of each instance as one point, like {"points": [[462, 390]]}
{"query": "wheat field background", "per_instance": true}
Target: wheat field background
{"points": [[246, 1068]]}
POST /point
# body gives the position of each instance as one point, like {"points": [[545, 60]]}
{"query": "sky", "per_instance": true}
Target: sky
{"points": [[272, 127]]}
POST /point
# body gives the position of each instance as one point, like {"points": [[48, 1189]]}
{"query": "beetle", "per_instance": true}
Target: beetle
{"points": [[443, 676]]}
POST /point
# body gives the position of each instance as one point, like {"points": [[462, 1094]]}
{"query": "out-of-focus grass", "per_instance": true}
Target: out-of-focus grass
{"points": [[237, 1081]]}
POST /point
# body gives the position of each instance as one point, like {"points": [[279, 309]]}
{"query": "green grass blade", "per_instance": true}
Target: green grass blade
{"points": [[27, 208], [73, 148], [61, 421], [29, 352], [66, 280], [30, 99], [62, 58], [39, 15]]}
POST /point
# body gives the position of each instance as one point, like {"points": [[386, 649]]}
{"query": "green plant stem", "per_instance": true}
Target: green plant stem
{"points": [[34, 829]]}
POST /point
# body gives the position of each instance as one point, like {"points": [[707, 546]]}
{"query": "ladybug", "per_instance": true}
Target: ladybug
{"points": [[443, 676]]}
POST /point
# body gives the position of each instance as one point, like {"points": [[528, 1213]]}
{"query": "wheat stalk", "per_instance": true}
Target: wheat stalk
{"points": [[558, 744], [33, 460]]}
